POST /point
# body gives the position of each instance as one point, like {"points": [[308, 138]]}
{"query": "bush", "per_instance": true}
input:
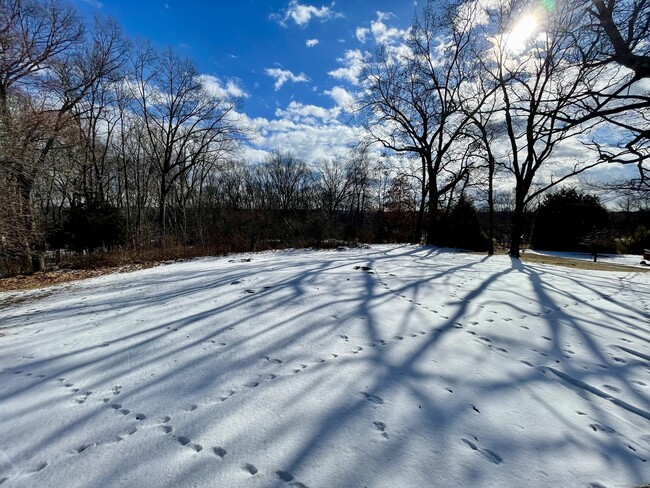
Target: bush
{"points": [[461, 228], [94, 225], [638, 241], [567, 219]]}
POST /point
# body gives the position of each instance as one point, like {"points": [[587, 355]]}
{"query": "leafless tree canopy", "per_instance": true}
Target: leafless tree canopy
{"points": [[104, 143]]}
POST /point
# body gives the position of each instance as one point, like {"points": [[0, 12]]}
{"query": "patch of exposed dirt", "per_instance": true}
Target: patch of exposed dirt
{"points": [[49, 278]]}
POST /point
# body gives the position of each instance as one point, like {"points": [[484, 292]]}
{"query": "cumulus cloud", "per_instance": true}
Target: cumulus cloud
{"points": [[343, 98], [310, 114], [282, 76], [362, 34], [215, 86], [311, 42], [302, 14], [308, 137], [384, 34], [353, 62]]}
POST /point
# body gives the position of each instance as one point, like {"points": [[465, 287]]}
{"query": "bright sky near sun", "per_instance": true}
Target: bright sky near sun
{"points": [[292, 61]]}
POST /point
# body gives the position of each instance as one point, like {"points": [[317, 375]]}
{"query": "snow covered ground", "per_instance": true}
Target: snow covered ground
{"points": [[433, 369]]}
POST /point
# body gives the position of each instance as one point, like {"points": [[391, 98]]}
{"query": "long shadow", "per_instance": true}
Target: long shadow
{"points": [[188, 334]]}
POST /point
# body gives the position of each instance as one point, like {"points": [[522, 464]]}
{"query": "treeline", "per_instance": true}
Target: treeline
{"points": [[106, 143], [242, 206]]}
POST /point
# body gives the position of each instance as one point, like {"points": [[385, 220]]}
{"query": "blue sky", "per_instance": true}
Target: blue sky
{"points": [[292, 60]]}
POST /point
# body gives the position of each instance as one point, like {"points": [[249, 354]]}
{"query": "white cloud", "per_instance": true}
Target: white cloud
{"points": [[310, 132], [362, 34], [311, 139], [310, 114], [302, 14], [383, 33], [343, 98], [353, 62], [311, 42], [282, 76], [215, 86]]}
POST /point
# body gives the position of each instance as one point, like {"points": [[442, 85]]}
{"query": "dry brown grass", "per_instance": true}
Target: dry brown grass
{"points": [[49, 278], [577, 263]]}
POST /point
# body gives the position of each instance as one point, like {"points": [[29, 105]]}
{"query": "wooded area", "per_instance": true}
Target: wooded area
{"points": [[105, 144]]}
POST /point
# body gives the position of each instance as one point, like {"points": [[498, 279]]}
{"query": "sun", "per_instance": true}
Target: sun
{"points": [[523, 30]]}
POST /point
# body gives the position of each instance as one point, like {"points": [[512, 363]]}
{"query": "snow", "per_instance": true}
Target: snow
{"points": [[434, 368], [633, 260]]}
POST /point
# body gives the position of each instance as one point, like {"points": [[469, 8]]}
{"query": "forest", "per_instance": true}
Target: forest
{"points": [[110, 147]]}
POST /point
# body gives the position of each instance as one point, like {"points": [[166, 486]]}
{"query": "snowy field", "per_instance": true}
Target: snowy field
{"points": [[434, 369]]}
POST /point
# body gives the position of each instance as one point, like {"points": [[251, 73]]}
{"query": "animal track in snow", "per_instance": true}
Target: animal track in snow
{"points": [[250, 469], [602, 428], [83, 447], [490, 455], [373, 398], [219, 452], [228, 395], [284, 476], [40, 467], [81, 399], [381, 427]]}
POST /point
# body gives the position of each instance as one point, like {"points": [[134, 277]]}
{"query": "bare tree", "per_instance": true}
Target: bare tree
{"points": [[48, 65], [286, 181], [185, 122], [412, 101], [538, 82], [612, 39], [626, 24], [333, 186]]}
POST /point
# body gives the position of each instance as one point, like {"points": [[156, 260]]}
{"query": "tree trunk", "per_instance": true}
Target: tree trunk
{"points": [[517, 228], [162, 209], [433, 205], [491, 209], [420, 219], [433, 214], [26, 183]]}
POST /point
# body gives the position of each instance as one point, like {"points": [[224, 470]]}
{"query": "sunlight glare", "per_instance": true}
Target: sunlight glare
{"points": [[515, 40]]}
